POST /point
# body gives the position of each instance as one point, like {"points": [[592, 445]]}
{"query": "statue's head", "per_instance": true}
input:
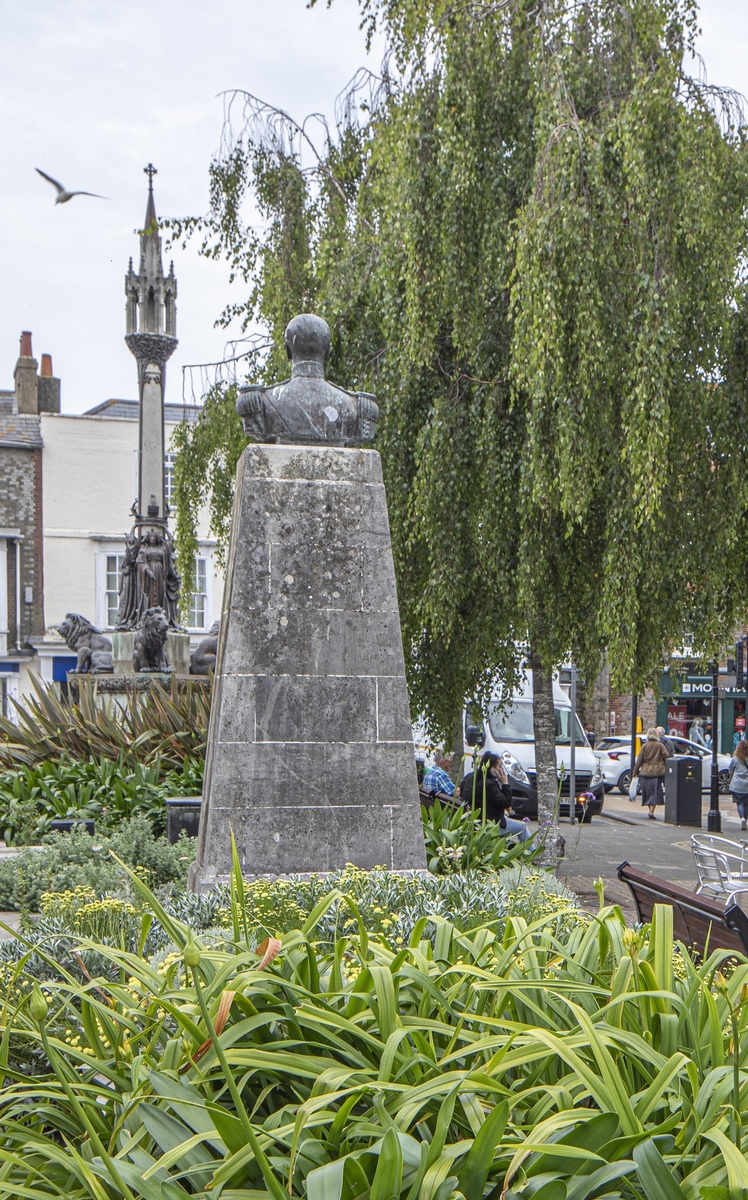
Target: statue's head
{"points": [[154, 624], [75, 627], [307, 339]]}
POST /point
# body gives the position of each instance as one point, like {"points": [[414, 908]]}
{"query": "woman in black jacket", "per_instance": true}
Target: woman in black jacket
{"points": [[498, 795]]}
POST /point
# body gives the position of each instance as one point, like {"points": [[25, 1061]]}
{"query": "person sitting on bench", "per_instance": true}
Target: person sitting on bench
{"points": [[436, 779], [498, 795]]}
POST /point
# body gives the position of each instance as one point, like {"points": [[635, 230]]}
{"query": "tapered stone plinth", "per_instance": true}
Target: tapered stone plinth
{"points": [[310, 751]]}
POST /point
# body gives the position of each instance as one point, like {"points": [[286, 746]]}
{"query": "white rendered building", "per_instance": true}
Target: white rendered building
{"points": [[85, 525], [71, 486]]}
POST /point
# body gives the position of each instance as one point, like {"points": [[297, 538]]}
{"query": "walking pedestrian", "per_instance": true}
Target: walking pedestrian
{"points": [[665, 740], [650, 767], [739, 781]]}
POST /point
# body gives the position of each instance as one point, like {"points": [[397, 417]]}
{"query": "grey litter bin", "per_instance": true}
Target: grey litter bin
{"points": [[683, 790], [182, 813]]}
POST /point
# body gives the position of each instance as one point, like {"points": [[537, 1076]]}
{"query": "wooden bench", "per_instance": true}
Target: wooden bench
{"points": [[428, 798], [697, 921]]}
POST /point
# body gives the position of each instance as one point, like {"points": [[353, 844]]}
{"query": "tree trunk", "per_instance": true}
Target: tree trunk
{"points": [[458, 749], [546, 772]]}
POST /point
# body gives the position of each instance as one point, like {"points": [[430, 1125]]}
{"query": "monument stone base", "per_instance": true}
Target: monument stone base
{"points": [[111, 689], [310, 749], [177, 652]]}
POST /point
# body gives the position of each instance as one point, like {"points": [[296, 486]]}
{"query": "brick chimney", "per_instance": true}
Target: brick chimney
{"points": [[26, 379], [48, 387]]}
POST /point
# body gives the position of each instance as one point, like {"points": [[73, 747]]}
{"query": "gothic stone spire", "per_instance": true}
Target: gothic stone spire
{"points": [[151, 337], [151, 296]]}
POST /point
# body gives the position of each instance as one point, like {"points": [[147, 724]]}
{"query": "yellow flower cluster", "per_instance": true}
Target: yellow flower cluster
{"points": [[68, 902], [108, 907], [15, 986], [167, 962]]}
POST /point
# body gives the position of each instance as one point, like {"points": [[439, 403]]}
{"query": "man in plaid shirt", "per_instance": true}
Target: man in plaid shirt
{"points": [[436, 778]]}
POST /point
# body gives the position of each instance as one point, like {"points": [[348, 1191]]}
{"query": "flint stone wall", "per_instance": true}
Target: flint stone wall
{"points": [[310, 752]]}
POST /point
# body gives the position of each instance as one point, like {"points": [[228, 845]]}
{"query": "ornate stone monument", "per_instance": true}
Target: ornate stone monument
{"points": [[310, 750], [149, 578]]}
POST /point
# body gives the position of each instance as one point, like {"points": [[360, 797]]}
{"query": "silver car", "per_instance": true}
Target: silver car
{"points": [[614, 756]]}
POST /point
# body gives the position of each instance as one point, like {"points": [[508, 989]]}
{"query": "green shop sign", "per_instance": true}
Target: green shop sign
{"points": [[693, 686]]}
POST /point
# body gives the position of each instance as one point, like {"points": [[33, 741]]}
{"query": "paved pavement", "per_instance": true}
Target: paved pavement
{"points": [[13, 919], [625, 833]]}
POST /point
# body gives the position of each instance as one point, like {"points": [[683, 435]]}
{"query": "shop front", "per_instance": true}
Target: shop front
{"points": [[685, 709]]}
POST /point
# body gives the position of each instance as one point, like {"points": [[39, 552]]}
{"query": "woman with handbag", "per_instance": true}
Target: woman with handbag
{"points": [[650, 769], [739, 781]]}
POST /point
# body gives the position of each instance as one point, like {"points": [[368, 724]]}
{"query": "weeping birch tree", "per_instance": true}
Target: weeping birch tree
{"points": [[528, 237]]}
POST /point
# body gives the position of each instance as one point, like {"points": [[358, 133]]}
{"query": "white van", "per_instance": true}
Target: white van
{"points": [[510, 734]]}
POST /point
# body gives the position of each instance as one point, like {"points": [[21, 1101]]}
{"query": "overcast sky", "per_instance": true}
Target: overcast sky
{"points": [[91, 92]]}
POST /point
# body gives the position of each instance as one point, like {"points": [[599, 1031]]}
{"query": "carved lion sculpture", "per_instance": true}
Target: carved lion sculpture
{"points": [[203, 657], [149, 653], [93, 649]]}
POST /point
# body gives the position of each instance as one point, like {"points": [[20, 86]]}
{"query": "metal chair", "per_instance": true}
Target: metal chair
{"points": [[721, 865], [726, 845]]}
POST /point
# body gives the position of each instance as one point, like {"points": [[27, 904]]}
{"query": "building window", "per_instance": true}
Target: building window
{"points": [[111, 594], [199, 604], [169, 460]]}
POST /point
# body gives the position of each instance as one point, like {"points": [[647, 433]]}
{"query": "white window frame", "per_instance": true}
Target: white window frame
{"points": [[9, 690], [205, 556], [102, 614], [169, 459], [12, 692]]}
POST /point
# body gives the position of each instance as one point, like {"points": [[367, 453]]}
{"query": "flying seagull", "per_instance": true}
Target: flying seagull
{"points": [[63, 195]]}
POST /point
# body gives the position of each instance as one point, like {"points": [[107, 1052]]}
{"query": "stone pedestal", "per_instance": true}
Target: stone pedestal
{"points": [[118, 689], [177, 652], [310, 751]]}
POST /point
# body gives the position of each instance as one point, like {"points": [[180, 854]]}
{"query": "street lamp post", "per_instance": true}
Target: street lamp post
{"points": [[573, 748], [634, 707], [714, 817]]}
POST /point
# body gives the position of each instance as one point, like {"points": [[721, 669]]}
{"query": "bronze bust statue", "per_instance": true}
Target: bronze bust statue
{"points": [[307, 409]]}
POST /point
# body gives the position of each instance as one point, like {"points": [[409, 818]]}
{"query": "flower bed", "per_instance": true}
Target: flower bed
{"points": [[69, 860], [498, 1061]]}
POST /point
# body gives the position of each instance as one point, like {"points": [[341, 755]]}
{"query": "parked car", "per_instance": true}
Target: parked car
{"points": [[509, 733], [614, 756]]}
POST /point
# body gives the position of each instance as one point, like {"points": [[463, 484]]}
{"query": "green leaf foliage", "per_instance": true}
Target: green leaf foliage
{"points": [[104, 790], [457, 841], [515, 1065], [167, 726], [66, 861]]}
